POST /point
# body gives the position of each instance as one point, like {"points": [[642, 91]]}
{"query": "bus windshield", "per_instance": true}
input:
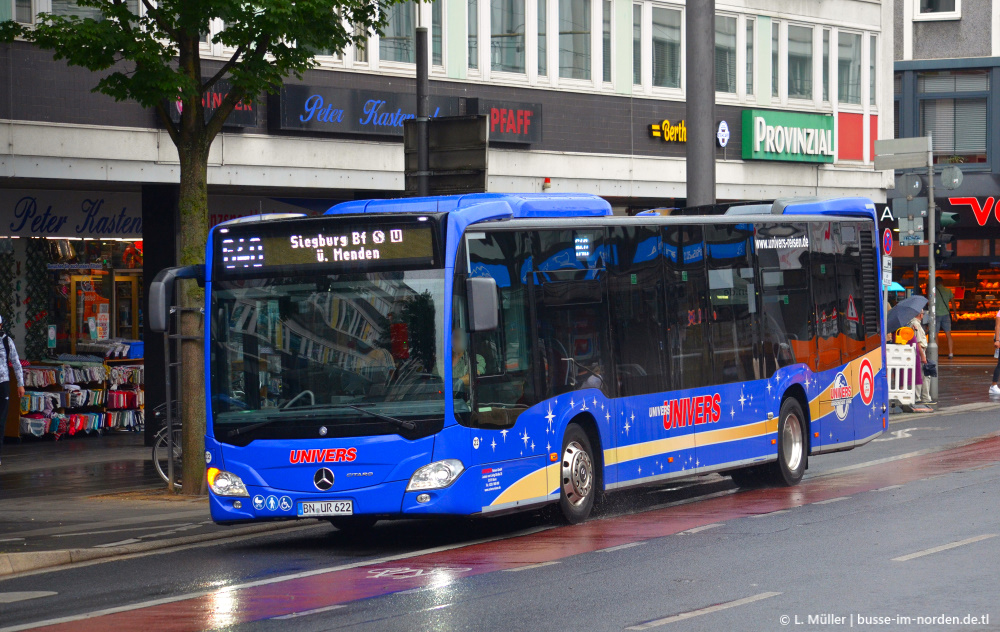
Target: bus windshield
{"points": [[306, 351]]}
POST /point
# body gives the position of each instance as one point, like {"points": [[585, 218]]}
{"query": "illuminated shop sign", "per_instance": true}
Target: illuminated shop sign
{"points": [[789, 136]]}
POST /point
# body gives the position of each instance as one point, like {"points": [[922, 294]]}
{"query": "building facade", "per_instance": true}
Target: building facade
{"points": [[581, 95], [947, 85]]}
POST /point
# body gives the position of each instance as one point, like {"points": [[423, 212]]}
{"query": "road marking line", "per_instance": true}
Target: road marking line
{"points": [[12, 597], [118, 543], [530, 566], [162, 526], [943, 547], [260, 582], [831, 500], [772, 513], [885, 489], [11, 539], [697, 613], [306, 613], [619, 547], [704, 527]]}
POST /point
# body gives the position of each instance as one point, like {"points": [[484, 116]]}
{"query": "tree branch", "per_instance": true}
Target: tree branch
{"points": [[151, 11], [172, 130], [234, 96], [225, 68]]}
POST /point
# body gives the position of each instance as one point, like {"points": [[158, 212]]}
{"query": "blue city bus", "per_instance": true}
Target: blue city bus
{"points": [[481, 354]]}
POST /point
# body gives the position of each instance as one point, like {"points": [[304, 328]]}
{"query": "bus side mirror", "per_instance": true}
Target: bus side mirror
{"points": [[484, 305], [161, 293]]}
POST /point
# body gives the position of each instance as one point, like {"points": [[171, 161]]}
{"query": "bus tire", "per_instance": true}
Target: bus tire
{"points": [[747, 477], [577, 476], [353, 525], [791, 463]]}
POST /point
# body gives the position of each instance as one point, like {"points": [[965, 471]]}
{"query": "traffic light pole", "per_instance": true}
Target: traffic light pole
{"points": [[932, 344]]}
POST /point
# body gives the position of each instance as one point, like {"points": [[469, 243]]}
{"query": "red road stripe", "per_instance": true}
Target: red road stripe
{"points": [[231, 607]]}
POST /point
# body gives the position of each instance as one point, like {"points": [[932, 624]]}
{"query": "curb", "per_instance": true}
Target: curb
{"points": [[15, 563]]}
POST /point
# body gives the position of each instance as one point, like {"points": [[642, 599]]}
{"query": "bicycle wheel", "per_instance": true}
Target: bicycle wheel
{"points": [[160, 457]]}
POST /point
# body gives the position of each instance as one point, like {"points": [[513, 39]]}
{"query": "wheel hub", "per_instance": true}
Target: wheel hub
{"points": [[577, 473], [791, 442]]}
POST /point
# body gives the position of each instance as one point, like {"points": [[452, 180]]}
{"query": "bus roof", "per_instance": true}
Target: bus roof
{"points": [[520, 205]]}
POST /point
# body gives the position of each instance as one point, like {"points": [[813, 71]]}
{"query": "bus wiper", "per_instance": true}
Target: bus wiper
{"points": [[402, 423], [260, 424]]}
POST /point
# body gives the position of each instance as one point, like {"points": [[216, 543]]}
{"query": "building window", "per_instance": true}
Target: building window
{"points": [[360, 49], [750, 42], [606, 56], [849, 67], [507, 35], [826, 65], [574, 39], [23, 12], [396, 43], [800, 62], [872, 73], [938, 9], [473, 8], [953, 110], [542, 51], [666, 48], [436, 57], [637, 44], [725, 54], [70, 7], [774, 58]]}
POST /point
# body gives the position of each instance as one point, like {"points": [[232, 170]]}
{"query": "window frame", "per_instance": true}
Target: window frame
{"points": [[862, 64], [647, 87], [813, 62], [936, 16]]}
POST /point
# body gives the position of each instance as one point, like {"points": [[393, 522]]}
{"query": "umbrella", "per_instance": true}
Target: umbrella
{"points": [[895, 287], [904, 312]]}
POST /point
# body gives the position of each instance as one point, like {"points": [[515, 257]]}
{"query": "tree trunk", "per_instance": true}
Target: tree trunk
{"points": [[193, 234]]}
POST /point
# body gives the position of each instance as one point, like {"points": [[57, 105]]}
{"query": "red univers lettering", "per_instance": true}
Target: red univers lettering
{"points": [[666, 416], [676, 413], [340, 454], [329, 454], [352, 453], [716, 408], [293, 457], [689, 410], [703, 412]]}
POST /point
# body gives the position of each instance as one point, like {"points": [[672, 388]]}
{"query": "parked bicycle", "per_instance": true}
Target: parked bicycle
{"points": [[161, 455]]}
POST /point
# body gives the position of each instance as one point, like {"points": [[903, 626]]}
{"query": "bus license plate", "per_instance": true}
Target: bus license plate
{"points": [[327, 508]]}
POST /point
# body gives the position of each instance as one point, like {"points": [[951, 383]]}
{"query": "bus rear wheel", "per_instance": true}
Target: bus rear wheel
{"points": [[791, 463], [577, 488]]}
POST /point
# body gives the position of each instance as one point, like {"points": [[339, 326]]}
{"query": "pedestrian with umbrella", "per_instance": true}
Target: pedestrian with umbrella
{"points": [[910, 312]]}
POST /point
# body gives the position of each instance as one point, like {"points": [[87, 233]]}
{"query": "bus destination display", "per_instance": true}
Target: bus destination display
{"points": [[351, 246]]}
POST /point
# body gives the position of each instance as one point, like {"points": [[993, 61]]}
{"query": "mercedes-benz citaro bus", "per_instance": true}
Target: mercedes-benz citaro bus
{"points": [[486, 353]]}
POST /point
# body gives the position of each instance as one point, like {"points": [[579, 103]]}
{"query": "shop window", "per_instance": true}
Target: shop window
{"points": [[687, 294], [473, 24], [574, 39], [825, 296], [749, 52], [396, 42], [849, 67], [725, 54], [783, 258], [507, 35], [800, 62], [637, 44], [972, 248], [543, 61], [639, 326], [666, 48], [732, 298]]}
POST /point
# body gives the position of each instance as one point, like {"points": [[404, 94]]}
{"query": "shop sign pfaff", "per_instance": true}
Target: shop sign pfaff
{"points": [[34, 213]]}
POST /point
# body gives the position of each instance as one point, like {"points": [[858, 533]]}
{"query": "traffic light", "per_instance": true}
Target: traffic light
{"points": [[943, 246]]}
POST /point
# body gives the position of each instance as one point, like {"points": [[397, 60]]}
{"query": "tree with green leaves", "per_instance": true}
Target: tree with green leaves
{"points": [[149, 52]]}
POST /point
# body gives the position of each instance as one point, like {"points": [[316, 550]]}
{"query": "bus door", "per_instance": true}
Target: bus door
{"points": [[574, 371]]}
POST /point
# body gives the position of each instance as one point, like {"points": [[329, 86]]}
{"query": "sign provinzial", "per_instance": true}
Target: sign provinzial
{"points": [[789, 136]]}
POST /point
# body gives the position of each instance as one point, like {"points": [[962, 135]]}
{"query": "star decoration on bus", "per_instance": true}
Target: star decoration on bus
{"points": [[550, 416], [571, 403], [493, 444], [548, 447], [504, 433], [808, 382], [583, 404], [626, 427], [607, 416], [742, 400], [595, 403], [532, 446], [732, 412], [633, 417], [769, 387], [525, 438]]}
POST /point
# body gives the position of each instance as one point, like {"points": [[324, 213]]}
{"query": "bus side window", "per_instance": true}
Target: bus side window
{"points": [[826, 297], [850, 295], [501, 361], [686, 298], [638, 323], [783, 258], [732, 302]]}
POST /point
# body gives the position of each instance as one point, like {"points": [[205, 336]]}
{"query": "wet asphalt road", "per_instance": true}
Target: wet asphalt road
{"points": [[691, 556]]}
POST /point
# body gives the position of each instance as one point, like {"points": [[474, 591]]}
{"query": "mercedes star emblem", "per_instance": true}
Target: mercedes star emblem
{"points": [[323, 479]]}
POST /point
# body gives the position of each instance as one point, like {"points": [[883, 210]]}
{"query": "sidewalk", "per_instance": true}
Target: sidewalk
{"points": [[97, 497]]}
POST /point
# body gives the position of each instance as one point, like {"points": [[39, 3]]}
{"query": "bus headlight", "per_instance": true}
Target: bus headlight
{"points": [[435, 475], [226, 483]]}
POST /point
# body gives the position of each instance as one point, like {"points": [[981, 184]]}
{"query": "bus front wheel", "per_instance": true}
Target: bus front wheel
{"points": [[791, 463], [577, 476]]}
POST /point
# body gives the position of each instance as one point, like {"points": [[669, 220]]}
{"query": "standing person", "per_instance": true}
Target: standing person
{"points": [[995, 390], [8, 362], [943, 311], [923, 393]]}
